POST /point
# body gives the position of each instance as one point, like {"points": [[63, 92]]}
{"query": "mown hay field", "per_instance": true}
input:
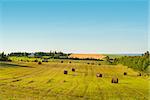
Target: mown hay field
{"points": [[84, 56], [31, 81]]}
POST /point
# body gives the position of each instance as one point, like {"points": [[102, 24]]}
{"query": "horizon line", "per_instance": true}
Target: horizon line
{"points": [[75, 52]]}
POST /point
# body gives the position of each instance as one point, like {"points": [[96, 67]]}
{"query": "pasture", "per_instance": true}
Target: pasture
{"points": [[30, 81]]}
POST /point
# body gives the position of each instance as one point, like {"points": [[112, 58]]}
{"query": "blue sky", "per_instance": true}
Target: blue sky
{"points": [[99, 26]]}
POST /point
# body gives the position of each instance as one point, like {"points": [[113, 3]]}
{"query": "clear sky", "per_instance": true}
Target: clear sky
{"points": [[77, 26]]}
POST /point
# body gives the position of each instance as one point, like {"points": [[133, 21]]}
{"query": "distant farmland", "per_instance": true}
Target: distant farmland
{"points": [[87, 56]]}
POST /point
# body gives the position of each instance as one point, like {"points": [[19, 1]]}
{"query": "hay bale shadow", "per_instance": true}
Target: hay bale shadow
{"points": [[39, 62], [50, 80], [80, 72], [74, 74], [30, 82], [17, 80]]}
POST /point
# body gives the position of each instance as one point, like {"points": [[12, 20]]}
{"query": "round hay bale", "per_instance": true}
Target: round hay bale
{"points": [[99, 64], [39, 62], [125, 73], [70, 62], [36, 60], [99, 75], [62, 61], [73, 69], [65, 72], [114, 80], [139, 74], [88, 63]]}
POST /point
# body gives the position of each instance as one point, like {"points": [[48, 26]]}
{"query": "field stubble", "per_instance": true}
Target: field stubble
{"points": [[47, 81]]}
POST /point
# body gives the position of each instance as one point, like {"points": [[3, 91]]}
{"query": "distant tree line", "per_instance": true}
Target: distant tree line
{"points": [[3, 57], [55, 54], [19, 54], [136, 62]]}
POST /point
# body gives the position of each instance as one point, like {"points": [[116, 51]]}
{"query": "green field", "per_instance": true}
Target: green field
{"points": [[30, 81]]}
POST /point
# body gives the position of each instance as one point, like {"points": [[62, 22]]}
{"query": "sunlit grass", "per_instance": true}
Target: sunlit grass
{"points": [[47, 81]]}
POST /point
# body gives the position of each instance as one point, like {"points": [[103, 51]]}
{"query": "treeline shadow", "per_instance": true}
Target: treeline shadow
{"points": [[2, 64]]}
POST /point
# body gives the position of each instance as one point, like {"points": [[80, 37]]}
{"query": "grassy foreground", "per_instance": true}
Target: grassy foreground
{"points": [[30, 81]]}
